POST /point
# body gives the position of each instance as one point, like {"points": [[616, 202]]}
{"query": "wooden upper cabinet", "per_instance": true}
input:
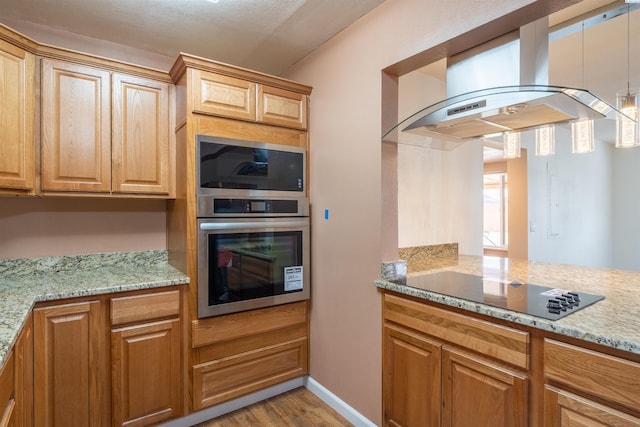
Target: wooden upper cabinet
{"points": [[282, 107], [140, 149], [76, 127], [223, 96], [17, 112], [239, 98]]}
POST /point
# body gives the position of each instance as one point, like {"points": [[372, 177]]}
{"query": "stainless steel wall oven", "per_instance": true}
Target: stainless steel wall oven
{"points": [[253, 226]]}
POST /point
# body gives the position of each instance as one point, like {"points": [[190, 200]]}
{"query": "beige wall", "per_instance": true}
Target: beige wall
{"points": [[36, 227], [346, 179]]}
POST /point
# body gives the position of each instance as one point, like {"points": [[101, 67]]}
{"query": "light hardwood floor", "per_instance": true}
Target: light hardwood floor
{"points": [[297, 408]]}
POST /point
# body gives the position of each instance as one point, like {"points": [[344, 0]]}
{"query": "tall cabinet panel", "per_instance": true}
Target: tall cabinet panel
{"points": [[76, 127], [17, 83], [69, 352], [140, 134]]}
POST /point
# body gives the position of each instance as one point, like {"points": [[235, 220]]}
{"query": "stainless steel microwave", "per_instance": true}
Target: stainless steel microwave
{"points": [[237, 168]]}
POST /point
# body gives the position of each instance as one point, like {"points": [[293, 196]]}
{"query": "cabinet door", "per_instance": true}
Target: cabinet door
{"points": [[24, 376], [282, 107], [7, 392], [411, 382], [76, 128], [479, 393], [17, 111], [563, 409], [146, 373], [69, 374], [140, 150], [223, 96]]}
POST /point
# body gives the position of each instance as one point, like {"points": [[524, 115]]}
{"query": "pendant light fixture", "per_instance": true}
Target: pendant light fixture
{"points": [[627, 122], [511, 145], [582, 131], [546, 141], [582, 137]]}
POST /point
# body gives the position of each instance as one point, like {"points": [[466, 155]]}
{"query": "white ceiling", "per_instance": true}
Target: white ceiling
{"points": [[263, 35]]}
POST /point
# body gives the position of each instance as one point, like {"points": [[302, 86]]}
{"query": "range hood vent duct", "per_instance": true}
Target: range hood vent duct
{"points": [[498, 87]]}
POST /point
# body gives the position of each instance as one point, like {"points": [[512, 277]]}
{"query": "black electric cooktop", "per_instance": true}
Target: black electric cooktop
{"points": [[542, 301]]}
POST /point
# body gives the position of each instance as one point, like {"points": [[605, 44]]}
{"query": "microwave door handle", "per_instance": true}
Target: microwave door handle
{"points": [[233, 225]]}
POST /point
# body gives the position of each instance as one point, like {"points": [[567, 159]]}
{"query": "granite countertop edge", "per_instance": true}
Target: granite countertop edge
{"points": [[511, 316], [26, 282]]}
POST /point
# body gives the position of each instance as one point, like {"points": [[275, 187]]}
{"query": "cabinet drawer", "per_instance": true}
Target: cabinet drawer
{"points": [[246, 324], [223, 379], [503, 343], [139, 308], [594, 373]]}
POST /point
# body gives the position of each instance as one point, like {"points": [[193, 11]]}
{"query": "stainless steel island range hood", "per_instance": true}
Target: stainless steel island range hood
{"points": [[498, 87]]}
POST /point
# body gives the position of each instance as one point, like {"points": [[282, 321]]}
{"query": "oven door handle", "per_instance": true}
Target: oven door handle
{"points": [[236, 225]]}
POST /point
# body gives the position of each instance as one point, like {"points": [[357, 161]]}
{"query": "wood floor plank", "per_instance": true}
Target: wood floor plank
{"points": [[296, 408]]}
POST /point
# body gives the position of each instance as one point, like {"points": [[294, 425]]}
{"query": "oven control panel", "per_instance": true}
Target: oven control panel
{"points": [[210, 206]]}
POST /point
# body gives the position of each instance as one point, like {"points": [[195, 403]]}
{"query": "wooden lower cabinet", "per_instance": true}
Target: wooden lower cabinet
{"points": [[564, 409], [146, 373], [442, 367], [116, 360], [411, 384], [70, 366], [240, 353], [16, 382], [24, 376], [476, 392], [7, 393], [605, 388], [224, 379], [435, 372], [427, 383]]}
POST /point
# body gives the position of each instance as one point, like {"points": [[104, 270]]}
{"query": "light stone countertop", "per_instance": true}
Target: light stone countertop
{"points": [[23, 282], [613, 322]]}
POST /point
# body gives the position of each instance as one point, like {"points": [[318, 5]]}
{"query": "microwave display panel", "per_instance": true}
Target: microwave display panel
{"points": [[245, 167]]}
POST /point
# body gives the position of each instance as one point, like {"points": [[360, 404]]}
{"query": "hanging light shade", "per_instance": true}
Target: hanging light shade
{"points": [[582, 136], [627, 122], [545, 141], [511, 145]]}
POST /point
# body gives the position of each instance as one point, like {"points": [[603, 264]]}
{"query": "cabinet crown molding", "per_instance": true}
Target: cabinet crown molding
{"points": [[185, 61]]}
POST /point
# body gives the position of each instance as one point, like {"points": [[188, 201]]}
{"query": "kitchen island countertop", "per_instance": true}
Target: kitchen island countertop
{"points": [[613, 322], [24, 282]]}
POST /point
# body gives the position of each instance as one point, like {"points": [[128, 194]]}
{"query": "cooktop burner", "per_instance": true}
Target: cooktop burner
{"points": [[535, 300]]}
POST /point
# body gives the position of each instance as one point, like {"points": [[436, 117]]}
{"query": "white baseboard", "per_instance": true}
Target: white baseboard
{"points": [[232, 405], [339, 405]]}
